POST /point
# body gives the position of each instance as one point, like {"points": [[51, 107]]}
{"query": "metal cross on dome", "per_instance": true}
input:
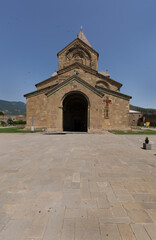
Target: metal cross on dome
{"points": [[107, 101]]}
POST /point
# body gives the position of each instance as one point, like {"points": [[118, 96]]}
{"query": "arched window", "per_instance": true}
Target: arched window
{"points": [[102, 84], [78, 54]]}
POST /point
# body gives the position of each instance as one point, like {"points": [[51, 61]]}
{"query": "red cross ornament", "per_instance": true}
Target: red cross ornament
{"points": [[107, 101]]}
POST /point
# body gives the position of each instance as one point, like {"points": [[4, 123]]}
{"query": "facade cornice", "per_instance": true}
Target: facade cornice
{"points": [[77, 79], [111, 92], [80, 41], [84, 67], [37, 92], [90, 70], [46, 80]]}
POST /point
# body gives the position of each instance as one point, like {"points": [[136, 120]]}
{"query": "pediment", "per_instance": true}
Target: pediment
{"points": [[75, 44], [74, 78]]}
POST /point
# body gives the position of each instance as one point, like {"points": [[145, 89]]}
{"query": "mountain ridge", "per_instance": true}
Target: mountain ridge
{"points": [[143, 110], [12, 107]]}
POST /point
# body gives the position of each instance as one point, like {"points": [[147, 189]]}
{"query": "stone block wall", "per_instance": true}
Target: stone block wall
{"points": [[85, 57], [48, 111], [90, 78]]}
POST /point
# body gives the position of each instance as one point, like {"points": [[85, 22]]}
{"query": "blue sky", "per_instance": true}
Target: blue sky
{"points": [[122, 31]]}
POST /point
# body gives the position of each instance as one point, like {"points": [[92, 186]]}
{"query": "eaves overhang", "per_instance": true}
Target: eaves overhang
{"points": [[90, 70], [86, 68], [46, 80], [37, 92], [72, 79], [114, 93]]}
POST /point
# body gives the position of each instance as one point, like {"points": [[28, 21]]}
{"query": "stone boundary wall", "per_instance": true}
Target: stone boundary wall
{"points": [[13, 117]]}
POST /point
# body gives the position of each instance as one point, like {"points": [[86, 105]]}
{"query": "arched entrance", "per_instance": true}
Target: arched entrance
{"points": [[75, 113]]}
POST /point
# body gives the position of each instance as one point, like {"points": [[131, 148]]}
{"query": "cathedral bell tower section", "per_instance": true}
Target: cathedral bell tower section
{"points": [[78, 51]]}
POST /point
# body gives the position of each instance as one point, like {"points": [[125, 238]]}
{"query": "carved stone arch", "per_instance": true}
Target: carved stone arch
{"points": [[78, 54], [78, 49], [74, 92], [102, 83]]}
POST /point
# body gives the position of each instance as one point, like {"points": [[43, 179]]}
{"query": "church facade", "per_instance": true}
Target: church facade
{"points": [[78, 97]]}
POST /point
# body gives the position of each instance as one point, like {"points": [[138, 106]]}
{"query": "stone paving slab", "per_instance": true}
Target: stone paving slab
{"points": [[77, 187]]}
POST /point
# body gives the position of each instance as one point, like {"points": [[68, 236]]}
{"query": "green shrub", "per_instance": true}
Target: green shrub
{"points": [[20, 121], [3, 123], [10, 121]]}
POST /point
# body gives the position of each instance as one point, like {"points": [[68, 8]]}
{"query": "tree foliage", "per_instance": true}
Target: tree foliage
{"points": [[10, 121]]}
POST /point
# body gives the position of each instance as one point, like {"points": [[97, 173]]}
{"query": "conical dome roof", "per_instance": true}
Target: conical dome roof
{"points": [[83, 37]]}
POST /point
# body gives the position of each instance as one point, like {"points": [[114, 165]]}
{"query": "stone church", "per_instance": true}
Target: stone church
{"points": [[78, 97]]}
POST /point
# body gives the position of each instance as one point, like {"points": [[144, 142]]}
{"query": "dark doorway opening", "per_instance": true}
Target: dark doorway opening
{"points": [[75, 112]]}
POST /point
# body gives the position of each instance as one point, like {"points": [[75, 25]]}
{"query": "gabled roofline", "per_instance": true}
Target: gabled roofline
{"points": [[93, 71], [97, 89], [79, 80], [48, 79], [83, 43], [37, 92], [117, 94]]}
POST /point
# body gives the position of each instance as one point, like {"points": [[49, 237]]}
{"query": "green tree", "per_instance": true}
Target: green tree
{"points": [[10, 121]]}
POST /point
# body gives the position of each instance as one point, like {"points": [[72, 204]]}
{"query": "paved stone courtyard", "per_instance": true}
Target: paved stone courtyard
{"points": [[77, 187]]}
